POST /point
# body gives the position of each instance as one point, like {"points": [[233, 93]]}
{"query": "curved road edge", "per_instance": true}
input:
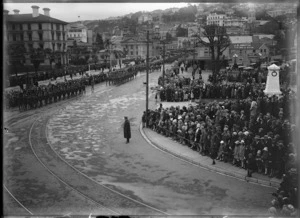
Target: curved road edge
{"points": [[159, 146]]}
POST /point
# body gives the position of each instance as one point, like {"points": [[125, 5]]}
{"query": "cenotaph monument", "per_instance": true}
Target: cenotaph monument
{"points": [[272, 86]]}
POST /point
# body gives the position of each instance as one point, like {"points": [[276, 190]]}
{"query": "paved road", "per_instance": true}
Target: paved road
{"points": [[88, 135]]}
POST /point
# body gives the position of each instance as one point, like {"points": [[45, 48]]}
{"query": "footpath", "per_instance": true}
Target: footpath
{"points": [[183, 152]]}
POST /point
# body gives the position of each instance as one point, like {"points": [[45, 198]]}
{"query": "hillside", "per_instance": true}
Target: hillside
{"points": [[170, 16]]}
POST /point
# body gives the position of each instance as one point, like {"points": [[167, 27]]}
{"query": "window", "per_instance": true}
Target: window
{"points": [[136, 47], [240, 51], [137, 53], [52, 26], [57, 36], [14, 37], [265, 50], [40, 26], [21, 37], [29, 26], [40, 36], [21, 27], [260, 50], [131, 53], [254, 51], [131, 46], [42, 45], [13, 27], [53, 46], [57, 26]]}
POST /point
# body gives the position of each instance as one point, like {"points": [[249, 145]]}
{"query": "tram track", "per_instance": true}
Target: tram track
{"points": [[13, 120], [19, 204], [92, 190], [111, 201]]}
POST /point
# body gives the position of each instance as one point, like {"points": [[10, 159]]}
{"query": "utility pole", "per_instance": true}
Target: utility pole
{"points": [[164, 64], [109, 57], [147, 77]]}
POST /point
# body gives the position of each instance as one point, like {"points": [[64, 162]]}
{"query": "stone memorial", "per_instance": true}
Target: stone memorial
{"points": [[272, 86]]}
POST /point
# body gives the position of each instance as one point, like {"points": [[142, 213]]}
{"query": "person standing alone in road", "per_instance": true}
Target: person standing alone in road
{"points": [[127, 132]]}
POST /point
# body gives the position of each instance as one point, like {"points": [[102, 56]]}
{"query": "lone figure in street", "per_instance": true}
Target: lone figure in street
{"points": [[127, 132]]}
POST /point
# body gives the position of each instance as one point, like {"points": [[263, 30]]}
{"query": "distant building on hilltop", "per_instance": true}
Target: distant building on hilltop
{"points": [[275, 13], [145, 18]]}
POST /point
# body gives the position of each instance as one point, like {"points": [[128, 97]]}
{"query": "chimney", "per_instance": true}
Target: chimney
{"points": [[16, 11], [5, 12], [46, 12], [35, 11]]}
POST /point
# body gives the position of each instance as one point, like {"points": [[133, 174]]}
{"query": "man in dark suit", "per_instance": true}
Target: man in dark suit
{"points": [[127, 132]]}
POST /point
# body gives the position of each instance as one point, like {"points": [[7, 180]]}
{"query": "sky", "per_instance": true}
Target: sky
{"points": [[69, 12]]}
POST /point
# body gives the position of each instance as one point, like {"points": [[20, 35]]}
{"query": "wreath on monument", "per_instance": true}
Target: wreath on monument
{"points": [[274, 73]]}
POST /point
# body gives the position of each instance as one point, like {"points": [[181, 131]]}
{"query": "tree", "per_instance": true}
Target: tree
{"points": [[37, 56], [16, 54], [99, 44], [169, 37], [217, 41], [181, 32]]}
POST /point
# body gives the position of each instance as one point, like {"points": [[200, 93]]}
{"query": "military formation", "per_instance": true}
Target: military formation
{"points": [[38, 96], [35, 95]]}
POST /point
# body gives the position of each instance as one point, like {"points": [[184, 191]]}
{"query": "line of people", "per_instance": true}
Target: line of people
{"points": [[229, 134]]}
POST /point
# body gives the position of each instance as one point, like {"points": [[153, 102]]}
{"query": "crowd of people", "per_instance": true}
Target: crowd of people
{"points": [[245, 128]]}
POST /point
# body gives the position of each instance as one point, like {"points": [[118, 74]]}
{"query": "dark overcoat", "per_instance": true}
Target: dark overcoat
{"points": [[127, 132]]}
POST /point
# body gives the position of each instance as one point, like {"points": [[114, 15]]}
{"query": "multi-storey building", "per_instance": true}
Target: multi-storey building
{"points": [[235, 21], [215, 19], [137, 47], [275, 13], [247, 49], [230, 21], [36, 31], [78, 32]]}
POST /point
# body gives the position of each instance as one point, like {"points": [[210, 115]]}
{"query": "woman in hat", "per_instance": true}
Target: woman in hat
{"points": [[127, 132]]}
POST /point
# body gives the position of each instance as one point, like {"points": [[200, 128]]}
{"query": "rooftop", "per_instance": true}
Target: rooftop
{"points": [[23, 18]]}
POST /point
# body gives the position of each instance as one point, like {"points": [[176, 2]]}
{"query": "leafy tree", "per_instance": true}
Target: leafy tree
{"points": [[99, 44], [16, 54], [169, 37], [181, 32], [37, 56]]}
